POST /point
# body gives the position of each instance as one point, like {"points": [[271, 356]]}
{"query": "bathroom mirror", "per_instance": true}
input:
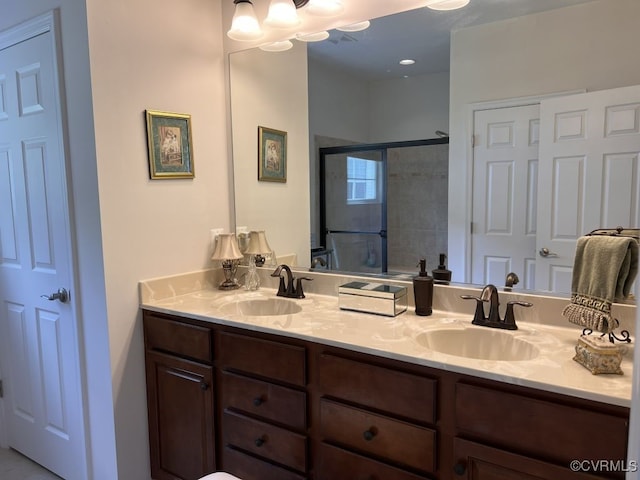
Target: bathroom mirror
{"points": [[283, 209]]}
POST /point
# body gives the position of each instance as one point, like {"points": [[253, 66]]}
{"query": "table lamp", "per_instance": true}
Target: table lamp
{"points": [[228, 252], [258, 247]]}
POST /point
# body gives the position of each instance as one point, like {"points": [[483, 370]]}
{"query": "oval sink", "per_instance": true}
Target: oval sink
{"points": [[478, 343], [262, 307]]}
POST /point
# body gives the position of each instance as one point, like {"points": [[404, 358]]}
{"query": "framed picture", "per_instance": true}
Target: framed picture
{"points": [[170, 147], [272, 155]]}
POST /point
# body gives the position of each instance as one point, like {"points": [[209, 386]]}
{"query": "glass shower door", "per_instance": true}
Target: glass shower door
{"points": [[353, 209]]}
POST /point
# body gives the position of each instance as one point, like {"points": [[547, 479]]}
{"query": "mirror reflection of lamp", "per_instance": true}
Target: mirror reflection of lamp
{"points": [[257, 249], [228, 253]]}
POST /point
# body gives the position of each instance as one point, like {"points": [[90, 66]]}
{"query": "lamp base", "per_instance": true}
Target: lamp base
{"points": [[229, 285], [229, 269]]}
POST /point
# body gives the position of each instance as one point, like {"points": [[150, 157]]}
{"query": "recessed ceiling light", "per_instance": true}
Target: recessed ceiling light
{"points": [[355, 27], [313, 37], [407, 61], [447, 4]]}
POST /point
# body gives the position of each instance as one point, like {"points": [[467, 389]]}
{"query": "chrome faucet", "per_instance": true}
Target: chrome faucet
{"points": [[292, 288], [489, 295]]}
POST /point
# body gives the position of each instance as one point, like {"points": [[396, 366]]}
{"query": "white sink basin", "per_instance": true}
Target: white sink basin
{"points": [[478, 343], [262, 307]]}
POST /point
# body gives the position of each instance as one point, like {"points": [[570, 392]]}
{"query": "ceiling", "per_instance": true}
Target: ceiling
{"points": [[421, 34]]}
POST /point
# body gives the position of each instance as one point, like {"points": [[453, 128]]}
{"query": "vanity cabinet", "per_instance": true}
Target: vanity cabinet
{"points": [[180, 398], [270, 407], [263, 404]]}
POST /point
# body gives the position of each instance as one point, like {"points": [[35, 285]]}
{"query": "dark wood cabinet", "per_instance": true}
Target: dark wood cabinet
{"points": [[480, 462], [181, 417], [269, 407]]}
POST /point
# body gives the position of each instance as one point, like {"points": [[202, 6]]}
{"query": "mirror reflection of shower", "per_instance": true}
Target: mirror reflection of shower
{"points": [[383, 206]]}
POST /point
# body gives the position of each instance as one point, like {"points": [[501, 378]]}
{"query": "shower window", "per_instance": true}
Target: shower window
{"points": [[362, 181]]}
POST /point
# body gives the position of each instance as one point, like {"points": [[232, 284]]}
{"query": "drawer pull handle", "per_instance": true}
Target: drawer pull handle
{"points": [[260, 441], [369, 434], [204, 386], [460, 468], [258, 401]]}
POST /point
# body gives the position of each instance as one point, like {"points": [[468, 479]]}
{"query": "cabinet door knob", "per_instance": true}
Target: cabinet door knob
{"points": [[260, 441], [204, 386], [258, 401], [369, 434], [460, 468]]}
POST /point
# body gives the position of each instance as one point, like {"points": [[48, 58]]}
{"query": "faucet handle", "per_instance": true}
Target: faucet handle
{"points": [[478, 317], [299, 293], [509, 317]]}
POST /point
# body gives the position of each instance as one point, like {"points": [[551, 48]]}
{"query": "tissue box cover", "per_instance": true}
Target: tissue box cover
{"points": [[378, 298], [598, 355]]}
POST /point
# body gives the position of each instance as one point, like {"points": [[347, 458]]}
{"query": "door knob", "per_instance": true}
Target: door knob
{"points": [[62, 295], [545, 252]]}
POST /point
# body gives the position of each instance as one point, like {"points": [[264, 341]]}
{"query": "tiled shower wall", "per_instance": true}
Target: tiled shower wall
{"points": [[417, 206]]}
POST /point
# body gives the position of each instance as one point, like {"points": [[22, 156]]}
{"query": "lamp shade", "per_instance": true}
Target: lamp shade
{"points": [[282, 14], [244, 26], [258, 244], [227, 248], [447, 4], [324, 8]]}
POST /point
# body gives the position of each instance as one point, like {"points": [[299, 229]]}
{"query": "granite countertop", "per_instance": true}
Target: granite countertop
{"points": [[320, 320]]}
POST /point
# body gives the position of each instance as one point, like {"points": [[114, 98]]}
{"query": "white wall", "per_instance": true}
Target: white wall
{"points": [[410, 108], [162, 55], [270, 90], [590, 46]]}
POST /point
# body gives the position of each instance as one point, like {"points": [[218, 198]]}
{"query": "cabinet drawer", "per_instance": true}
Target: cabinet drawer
{"points": [[279, 404], [274, 443], [274, 360], [247, 467], [392, 391], [336, 463], [176, 337], [382, 436], [537, 427]]}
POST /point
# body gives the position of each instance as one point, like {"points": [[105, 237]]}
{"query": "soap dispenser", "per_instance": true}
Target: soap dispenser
{"points": [[442, 274], [423, 290]]}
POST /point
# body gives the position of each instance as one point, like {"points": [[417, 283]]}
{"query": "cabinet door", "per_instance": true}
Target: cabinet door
{"points": [[181, 421], [479, 462]]}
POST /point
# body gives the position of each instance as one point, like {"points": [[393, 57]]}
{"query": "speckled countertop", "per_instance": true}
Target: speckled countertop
{"points": [[320, 320]]}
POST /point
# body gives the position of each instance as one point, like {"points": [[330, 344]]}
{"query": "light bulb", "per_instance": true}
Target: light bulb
{"points": [[282, 14]]}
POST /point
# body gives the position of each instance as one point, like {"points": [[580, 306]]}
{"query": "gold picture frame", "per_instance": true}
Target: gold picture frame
{"points": [[170, 145], [272, 155]]}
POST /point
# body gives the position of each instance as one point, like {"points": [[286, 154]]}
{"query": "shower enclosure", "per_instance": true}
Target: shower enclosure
{"points": [[384, 206]]}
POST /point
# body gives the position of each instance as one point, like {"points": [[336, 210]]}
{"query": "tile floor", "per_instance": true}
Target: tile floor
{"points": [[15, 466]]}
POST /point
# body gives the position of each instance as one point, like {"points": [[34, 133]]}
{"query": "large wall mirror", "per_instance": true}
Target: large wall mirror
{"points": [[531, 51]]}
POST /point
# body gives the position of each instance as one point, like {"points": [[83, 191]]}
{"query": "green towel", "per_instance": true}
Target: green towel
{"points": [[603, 271]]}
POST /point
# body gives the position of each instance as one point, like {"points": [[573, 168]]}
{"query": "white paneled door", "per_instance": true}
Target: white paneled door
{"points": [[505, 172], [588, 176], [39, 344]]}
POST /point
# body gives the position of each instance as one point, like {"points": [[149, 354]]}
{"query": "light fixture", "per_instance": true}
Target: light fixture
{"points": [[244, 26], [325, 8], [282, 14], [355, 27], [313, 37], [447, 4], [228, 252], [407, 61], [277, 46], [257, 249]]}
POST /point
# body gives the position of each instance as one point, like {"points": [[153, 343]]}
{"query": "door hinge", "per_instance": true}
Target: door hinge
{"points": [[473, 141], [1, 390]]}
